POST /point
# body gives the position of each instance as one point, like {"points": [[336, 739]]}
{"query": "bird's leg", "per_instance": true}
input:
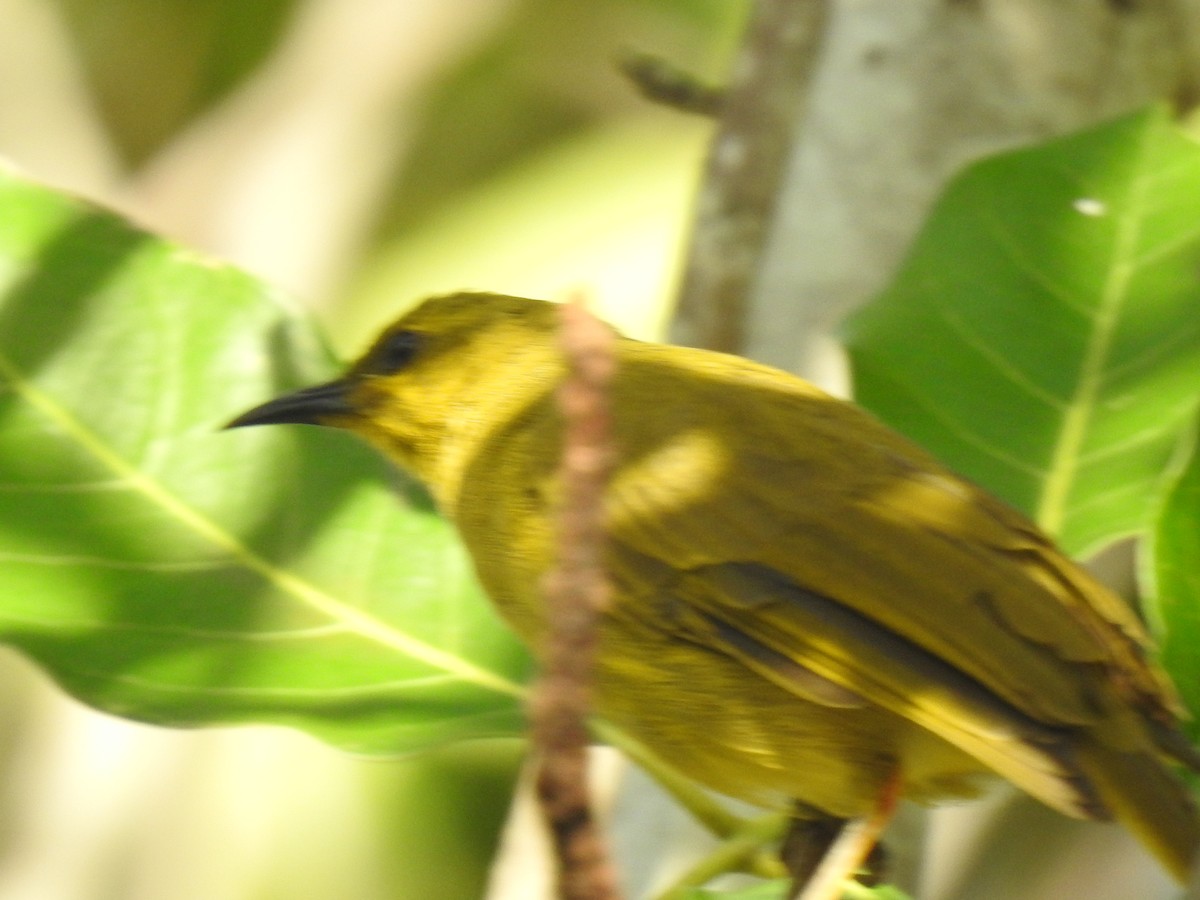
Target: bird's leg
{"points": [[807, 841], [820, 851]]}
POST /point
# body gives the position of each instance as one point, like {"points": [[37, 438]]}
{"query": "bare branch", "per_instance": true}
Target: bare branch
{"points": [[770, 84], [576, 592]]}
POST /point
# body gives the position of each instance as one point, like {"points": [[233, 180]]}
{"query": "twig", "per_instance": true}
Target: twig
{"points": [[737, 853], [704, 808], [576, 591], [662, 82], [747, 161]]}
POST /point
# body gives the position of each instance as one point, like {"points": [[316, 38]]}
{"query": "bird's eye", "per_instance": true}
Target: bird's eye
{"points": [[396, 352]]}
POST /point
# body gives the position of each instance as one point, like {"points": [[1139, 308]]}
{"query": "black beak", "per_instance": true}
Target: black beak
{"points": [[311, 406]]}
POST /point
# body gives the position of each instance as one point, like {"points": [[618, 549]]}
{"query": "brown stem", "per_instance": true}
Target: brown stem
{"points": [[576, 592]]}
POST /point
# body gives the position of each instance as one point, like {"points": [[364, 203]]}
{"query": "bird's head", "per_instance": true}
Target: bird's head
{"points": [[433, 380]]}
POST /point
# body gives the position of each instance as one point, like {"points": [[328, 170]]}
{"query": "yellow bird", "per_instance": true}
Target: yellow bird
{"points": [[806, 605]]}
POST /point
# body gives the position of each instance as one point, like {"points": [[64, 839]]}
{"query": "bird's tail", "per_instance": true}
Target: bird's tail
{"points": [[1150, 800]]}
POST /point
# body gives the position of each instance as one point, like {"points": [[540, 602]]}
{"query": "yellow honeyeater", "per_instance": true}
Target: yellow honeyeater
{"points": [[806, 605]]}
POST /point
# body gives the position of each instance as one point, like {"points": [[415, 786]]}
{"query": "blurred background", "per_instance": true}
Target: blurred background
{"points": [[362, 154]]}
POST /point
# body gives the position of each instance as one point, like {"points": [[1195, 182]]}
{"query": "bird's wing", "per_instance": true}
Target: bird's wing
{"points": [[821, 650], [805, 533]]}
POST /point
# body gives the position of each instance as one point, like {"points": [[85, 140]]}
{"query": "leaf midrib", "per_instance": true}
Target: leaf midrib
{"points": [[304, 592], [1051, 512]]}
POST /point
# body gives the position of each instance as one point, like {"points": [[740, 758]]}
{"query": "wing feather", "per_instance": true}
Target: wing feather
{"points": [[832, 504], [795, 632]]}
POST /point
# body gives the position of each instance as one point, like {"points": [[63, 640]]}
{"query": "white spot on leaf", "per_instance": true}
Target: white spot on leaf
{"points": [[1090, 206]]}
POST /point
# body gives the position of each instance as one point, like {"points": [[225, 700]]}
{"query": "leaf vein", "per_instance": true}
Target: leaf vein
{"points": [[288, 583]]}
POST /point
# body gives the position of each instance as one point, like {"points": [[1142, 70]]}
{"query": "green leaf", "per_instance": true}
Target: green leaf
{"points": [[776, 890], [164, 570], [1170, 580], [1043, 337], [765, 890]]}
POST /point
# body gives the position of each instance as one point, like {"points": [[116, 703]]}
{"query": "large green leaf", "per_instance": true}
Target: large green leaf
{"points": [[1044, 336], [162, 569], [1170, 575]]}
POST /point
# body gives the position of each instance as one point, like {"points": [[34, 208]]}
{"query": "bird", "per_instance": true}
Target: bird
{"points": [[806, 607]]}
